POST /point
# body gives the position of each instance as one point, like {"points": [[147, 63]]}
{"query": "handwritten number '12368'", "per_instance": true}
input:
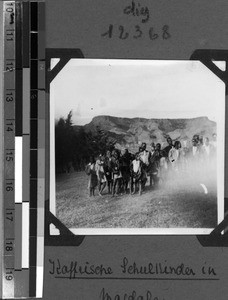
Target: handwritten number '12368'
{"points": [[122, 33]]}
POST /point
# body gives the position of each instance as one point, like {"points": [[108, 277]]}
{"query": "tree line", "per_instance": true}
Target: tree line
{"points": [[73, 148]]}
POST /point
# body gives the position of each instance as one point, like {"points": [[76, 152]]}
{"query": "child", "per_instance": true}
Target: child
{"points": [[116, 172], [91, 172], [100, 174], [174, 155], [108, 170], [155, 162], [136, 174]]}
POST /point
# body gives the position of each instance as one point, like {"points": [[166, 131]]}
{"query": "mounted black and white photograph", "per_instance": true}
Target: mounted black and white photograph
{"points": [[137, 147]]}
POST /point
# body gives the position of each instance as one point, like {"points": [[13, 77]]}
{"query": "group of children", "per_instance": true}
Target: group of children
{"points": [[125, 171]]}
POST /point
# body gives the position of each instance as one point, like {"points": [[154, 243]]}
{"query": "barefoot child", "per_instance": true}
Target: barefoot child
{"points": [[100, 174], [136, 174], [91, 172]]}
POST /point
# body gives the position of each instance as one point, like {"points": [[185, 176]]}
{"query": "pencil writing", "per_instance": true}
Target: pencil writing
{"points": [[137, 10], [127, 269], [148, 295], [137, 32]]}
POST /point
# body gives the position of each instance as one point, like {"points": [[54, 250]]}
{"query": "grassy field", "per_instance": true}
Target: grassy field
{"points": [[169, 206]]}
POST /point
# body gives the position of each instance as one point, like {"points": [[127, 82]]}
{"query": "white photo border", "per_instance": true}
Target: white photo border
{"points": [[142, 231]]}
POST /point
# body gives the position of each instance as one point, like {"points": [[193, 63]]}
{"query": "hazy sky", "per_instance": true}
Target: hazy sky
{"points": [[136, 88]]}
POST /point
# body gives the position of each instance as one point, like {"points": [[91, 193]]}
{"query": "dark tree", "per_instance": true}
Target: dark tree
{"points": [[73, 146], [63, 143]]}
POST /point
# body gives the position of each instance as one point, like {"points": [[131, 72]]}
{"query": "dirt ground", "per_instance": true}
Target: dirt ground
{"points": [[169, 206]]}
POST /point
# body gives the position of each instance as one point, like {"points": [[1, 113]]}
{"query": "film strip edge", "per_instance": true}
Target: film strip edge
{"points": [[1, 134], [23, 128], [9, 148]]}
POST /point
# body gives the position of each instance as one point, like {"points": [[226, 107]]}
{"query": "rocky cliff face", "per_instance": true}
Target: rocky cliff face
{"points": [[132, 132]]}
